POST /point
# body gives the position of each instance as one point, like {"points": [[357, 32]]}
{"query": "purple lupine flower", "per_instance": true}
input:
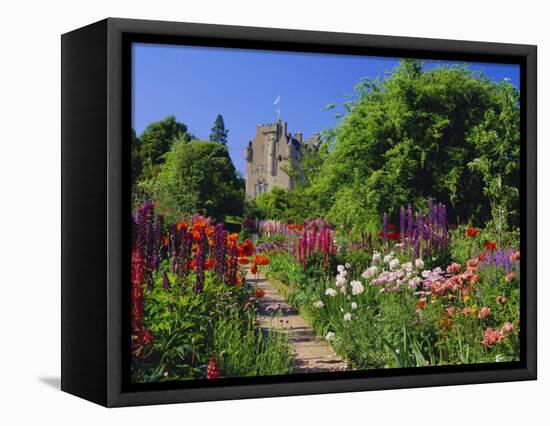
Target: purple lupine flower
{"points": [[157, 240], [410, 220], [184, 251], [402, 222], [200, 260], [232, 270], [429, 217], [442, 216], [416, 248], [165, 281]]}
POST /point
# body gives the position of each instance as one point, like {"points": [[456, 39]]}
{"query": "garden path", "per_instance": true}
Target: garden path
{"points": [[311, 354]]}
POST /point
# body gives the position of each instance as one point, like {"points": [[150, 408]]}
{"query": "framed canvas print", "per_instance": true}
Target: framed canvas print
{"points": [[253, 212]]}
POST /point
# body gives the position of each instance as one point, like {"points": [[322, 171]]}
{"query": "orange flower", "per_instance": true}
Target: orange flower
{"points": [[259, 293], [192, 264], [421, 304], [471, 232], [209, 263], [254, 269], [165, 241], [232, 239], [209, 231], [239, 280], [261, 260], [196, 235], [244, 261]]}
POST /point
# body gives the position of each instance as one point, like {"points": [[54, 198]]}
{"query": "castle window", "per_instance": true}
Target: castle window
{"points": [[260, 188]]}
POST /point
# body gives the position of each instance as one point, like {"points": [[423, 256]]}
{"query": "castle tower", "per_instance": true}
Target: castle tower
{"points": [[268, 156]]}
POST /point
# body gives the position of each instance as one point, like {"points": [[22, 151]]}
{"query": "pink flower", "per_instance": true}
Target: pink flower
{"points": [[508, 327], [501, 300], [484, 312], [454, 268], [492, 336], [510, 277], [514, 257], [472, 263]]}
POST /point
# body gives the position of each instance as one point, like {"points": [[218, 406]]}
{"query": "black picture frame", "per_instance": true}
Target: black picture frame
{"points": [[96, 91]]}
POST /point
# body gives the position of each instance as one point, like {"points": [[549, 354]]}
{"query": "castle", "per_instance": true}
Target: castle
{"points": [[271, 154]]}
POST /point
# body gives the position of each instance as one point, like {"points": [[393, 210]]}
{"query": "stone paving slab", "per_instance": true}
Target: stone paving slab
{"points": [[311, 353]]}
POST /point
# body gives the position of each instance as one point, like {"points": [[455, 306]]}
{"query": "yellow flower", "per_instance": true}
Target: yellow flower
{"points": [[466, 298], [473, 309], [450, 296]]}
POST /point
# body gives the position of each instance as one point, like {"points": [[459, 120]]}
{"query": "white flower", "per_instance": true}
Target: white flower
{"points": [[419, 263], [394, 263], [370, 272], [357, 287], [376, 257], [330, 292], [499, 358], [413, 282], [329, 336], [347, 316], [319, 304], [343, 289], [408, 266], [341, 281], [341, 268], [348, 265], [353, 306], [388, 258]]}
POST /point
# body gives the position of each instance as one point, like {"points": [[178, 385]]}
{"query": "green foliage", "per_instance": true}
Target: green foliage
{"points": [[446, 133], [197, 177], [219, 132], [154, 142], [189, 328]]}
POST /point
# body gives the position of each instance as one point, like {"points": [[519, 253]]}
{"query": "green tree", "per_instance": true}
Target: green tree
{"points": [[156, 140], [443, 133], [219, 132], [135, 156], [197, 177]]}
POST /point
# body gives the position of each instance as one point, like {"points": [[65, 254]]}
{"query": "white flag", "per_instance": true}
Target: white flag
{"points": [[277, 100]]}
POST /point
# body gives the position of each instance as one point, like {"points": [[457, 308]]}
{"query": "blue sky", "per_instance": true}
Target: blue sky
{"points": [[197, 83]]}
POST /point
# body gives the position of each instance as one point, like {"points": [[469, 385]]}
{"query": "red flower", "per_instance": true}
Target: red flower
{"points": [[212, 371], [254, 269], [382, 234], [490, 245], [192, 264], [165, 241], [209, 263], [471, 232], [259, 293], [246, 248], [394, 236], [243, 261], [261, 260], [181, 225], [392, 227]]}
